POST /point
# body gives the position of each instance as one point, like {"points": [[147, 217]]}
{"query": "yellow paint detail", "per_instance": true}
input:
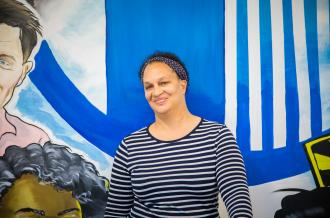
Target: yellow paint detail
{"points": [[313, 159], [28, 193], [323, 162]]}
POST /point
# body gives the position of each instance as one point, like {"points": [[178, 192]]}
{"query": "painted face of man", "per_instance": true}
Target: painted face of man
{"points": [[12, 67], [29, 198]]}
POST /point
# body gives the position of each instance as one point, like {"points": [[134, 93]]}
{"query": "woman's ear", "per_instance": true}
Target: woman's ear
{"points": [[27, 66], [184, 84]]}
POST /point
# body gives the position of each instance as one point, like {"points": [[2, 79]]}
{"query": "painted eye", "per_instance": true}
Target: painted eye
{"points": [[5, 64], [27, 215], [71, 215]]}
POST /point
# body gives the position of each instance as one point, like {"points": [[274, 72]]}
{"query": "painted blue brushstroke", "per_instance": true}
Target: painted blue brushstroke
{"points": [[291, 94], [313, 65], [72, 105], [266, 61], [243, 117]]}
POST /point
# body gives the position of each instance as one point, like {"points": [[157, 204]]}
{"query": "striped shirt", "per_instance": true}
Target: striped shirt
{"points": [[179, 178]]}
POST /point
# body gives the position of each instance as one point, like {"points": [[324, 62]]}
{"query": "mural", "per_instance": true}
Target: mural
{"points": [[37, 178], [49, 180], [318, 153], [18, 38], [260, 66], [311, 203]]}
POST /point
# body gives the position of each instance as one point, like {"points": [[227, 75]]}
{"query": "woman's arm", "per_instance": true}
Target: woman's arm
{"points": [[120, 196], [231, 176]]}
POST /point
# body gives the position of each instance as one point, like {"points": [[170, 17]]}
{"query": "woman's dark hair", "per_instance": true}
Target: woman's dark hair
{"points": [[58, 166], [170, 59]]}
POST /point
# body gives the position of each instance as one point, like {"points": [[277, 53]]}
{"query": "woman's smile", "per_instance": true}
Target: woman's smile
{"points": [[160, 101]]}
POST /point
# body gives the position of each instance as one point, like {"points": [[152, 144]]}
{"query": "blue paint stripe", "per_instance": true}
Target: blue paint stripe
{"points": [[313, 65], [107, 53], [99, 129], [243, 117], [266, 62], [291, 94], [221, 54]]}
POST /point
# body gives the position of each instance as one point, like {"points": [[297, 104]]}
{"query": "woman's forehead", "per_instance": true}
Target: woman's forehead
{"points": [[158, 69]]}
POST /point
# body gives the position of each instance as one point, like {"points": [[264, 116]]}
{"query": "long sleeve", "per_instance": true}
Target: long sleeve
{"points": [[231, 175], [120, 196]]}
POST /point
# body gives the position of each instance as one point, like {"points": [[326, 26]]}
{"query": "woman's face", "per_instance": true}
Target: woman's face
{"points": [[163, 89]]}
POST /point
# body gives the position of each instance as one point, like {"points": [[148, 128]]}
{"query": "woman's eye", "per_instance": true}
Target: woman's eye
{"points": [[147, 87], [163, 83]]}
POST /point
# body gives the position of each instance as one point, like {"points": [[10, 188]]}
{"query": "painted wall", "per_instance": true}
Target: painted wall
{"points": [[261, 67]]}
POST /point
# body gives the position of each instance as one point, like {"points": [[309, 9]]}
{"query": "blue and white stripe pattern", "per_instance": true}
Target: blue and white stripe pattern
{"points": [[277, 75], [273, 55], [180, 178]]}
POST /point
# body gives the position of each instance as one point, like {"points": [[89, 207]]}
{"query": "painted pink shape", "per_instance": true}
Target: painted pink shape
{"points": [[15, 131]]}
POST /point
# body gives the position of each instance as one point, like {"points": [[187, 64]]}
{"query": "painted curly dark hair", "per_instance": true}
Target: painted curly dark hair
{"points": [[57, 165]]}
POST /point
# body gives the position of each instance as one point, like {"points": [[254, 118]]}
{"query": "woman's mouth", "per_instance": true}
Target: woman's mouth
{"points": [[159, 101]]}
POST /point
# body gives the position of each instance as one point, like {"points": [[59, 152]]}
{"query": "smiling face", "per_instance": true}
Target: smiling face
{"points": [[12, 68], [29, 198], [163, 89]]}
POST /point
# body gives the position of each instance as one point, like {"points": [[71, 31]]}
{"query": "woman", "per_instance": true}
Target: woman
{"points": [[176, 166]]}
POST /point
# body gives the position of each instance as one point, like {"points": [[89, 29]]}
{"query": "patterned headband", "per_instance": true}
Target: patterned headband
{"points": [[178, 68]]}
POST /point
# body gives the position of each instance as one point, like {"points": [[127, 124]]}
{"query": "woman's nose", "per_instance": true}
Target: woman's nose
{"points": [[157, 90]]}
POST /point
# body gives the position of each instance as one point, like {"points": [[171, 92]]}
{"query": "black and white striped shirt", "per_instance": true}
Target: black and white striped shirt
{"points": [[179, 178]]}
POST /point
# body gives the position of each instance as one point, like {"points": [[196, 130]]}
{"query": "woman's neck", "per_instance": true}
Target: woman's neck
{"points": [[172, 119], [173, 126]]}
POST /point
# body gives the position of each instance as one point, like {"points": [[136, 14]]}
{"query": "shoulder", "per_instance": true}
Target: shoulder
{"points": [[208, 124], [220, 129], [24, 128], [137, 135], [133, 139]]}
